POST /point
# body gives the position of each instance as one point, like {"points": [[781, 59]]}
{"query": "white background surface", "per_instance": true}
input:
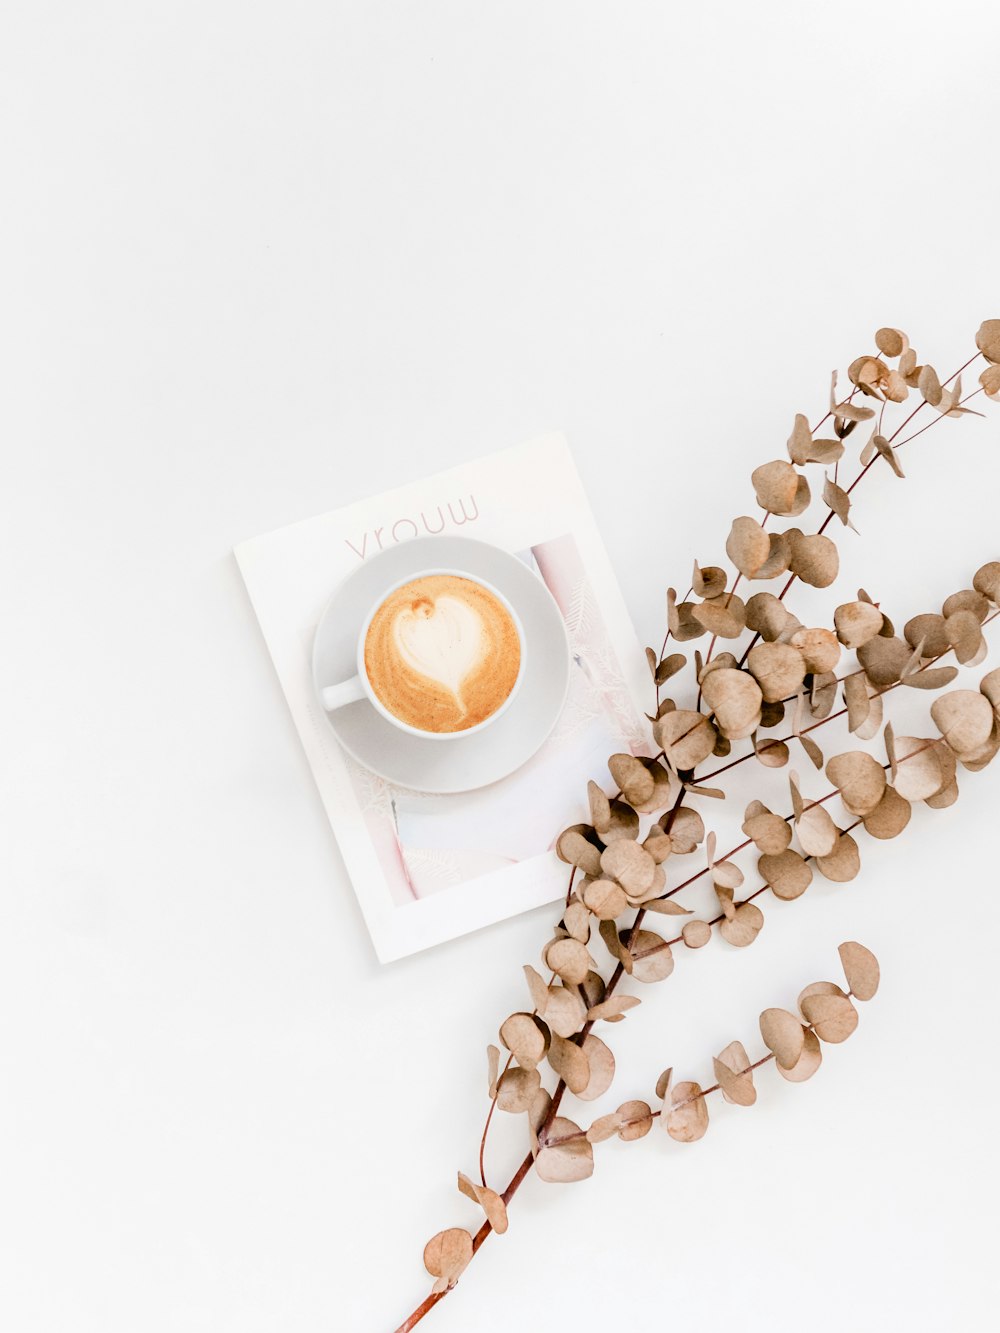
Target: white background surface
{"points": [[258, 261]]}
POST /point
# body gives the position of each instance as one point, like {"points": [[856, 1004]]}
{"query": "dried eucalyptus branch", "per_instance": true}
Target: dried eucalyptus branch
{"points": [[638, 837]]}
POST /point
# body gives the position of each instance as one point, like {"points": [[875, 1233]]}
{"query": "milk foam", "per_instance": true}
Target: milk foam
{"points": [[443, 641]]}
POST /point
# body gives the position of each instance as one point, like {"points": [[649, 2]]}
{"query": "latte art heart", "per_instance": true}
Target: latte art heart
{"points": [[442, 640], [442, 653]]}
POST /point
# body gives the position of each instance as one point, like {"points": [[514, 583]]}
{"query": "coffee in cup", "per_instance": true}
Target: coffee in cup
{"points": [[442, 653]]}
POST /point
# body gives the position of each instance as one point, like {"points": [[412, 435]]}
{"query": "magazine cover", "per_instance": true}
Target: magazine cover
{"points": [[427, 867]]}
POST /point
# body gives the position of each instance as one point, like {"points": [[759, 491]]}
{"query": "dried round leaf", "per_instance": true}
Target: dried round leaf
{"points": [[658, 844], [664, 787], [843, 863], [860, 968], [987, 580], [817, 833], [832, 1017], [696, 934], [884, 660], [743, 927], [576, 850], [770, 833], [571, 1064], [516, 1088], [602, 1068], [734, 1075], [890, 342], [814, 559], [490, 1202], [687, 830], [965, 719], [600, 807], [447, 1255], [735, 699], [769, 617], [687, 1118], [964, 634], [779, 488], [856, 623], [748, 546], [988, 340], [783, 1035], [624, 822], [820, 988], [613, 1008], [778, 668], [819, 648], [604, 1127], [565, 1154], [890, 816], [605, 898], [526, 1036], [808, 1062], [635, 1120], [944, 798], [779, 557], [723, 616], [568, 959], [634, 779], [968, 599], [628, 863], [787, 873], [928, 631], [990, 381], [772, 754], [651, 956], [564, 1011], [859, 778], [919, 772], [687, 738]]}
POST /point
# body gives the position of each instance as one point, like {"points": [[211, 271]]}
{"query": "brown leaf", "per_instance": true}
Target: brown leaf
{"points": [[778, 668], [769, 617], [919, 772], [723, 616], [832, 1017], [563, 1011], [628, 863], [687, 738], [843, 863], [734, 1075], [965, 719], [860, 968], [614, 1007], [770, 833], [929, 631], [735, 699], [819, 648], [748, 546], [565, 1154], [516, 1089], [650, 954], [780, 489], [568, 958], [964, 634], [696, 934], [605, 898], [635, 1120], [490, 1202], [988, 340], [859, 778], [987, 581], [890, 816], [884, 660], [574, 848], [493, 1065], [787, 873], [808, 1062], [743, 927], [686, 830], [571, 1063], [600, 807], [526, 1037], [687, 1116], [634, 779], [856, 623], [601, 1064], [817, 833], [447, 1255], [783, 1035], [814, 559]]}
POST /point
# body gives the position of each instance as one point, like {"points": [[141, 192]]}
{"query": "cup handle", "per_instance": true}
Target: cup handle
{"points": [[347, 692]]}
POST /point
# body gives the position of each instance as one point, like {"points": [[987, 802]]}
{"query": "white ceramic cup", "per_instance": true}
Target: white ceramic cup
{"points": [[359, 686]]}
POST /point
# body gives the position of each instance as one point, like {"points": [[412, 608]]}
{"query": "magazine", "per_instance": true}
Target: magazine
{"points": [[427, 868]]}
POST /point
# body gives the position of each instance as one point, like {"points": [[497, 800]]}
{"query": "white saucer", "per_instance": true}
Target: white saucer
{"points": [[468, 761]]}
